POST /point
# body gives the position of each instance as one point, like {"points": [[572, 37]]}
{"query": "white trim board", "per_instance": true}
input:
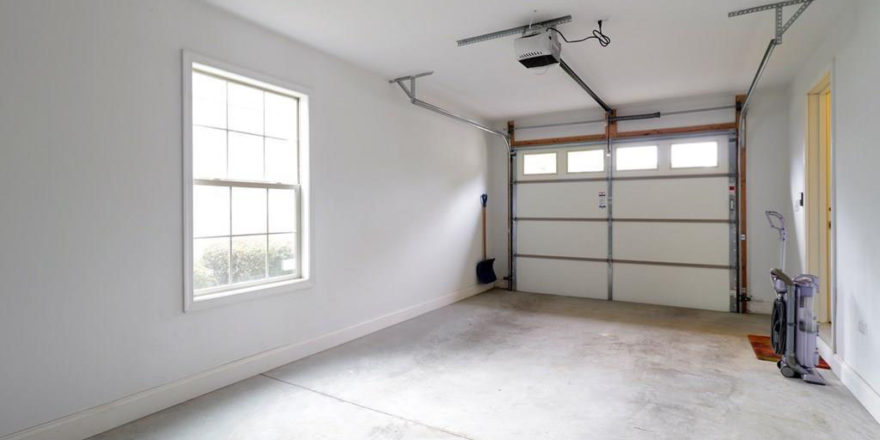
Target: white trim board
{"points": [[861, 390], [101, 418]]}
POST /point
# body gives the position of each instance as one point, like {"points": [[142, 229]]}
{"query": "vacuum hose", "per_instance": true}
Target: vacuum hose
{"points": [[777, 326]]}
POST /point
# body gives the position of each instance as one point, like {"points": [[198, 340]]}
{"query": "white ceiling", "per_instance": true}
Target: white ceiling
{"points": [[659, 49]]}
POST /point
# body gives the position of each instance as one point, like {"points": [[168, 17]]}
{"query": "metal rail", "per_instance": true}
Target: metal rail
{"points": [[780, 29], [627, 118], [511, 212], [698, 110], [609, 204], [411, 93], [634, 117], [767, 53], [560, 124], [518, 30], [584, 85], [447, 113]]}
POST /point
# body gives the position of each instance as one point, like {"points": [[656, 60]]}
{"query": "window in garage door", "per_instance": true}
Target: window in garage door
{"points": [[585, 161], [694, 155], [539, 163], [643, 157]]}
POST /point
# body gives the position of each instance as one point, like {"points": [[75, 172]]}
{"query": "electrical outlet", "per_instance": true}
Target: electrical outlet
{"points": [[863, 327]]}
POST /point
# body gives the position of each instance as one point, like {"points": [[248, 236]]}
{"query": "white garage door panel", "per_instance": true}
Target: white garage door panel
{"points": [[702, 243], [676, 198], [661, 222], [565, 239], [566, 199], [672, 286], [562, 277]]}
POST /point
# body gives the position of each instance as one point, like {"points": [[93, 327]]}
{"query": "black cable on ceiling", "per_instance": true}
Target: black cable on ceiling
{"points": [[604, 40]]}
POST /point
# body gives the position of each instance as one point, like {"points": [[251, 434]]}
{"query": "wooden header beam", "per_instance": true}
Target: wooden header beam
{"points": [[511, 133], [559, 140], [611, 131], [676, 130]]}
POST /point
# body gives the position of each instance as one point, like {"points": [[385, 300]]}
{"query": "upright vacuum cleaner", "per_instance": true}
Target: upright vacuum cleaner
{"points": [[793, 327]]}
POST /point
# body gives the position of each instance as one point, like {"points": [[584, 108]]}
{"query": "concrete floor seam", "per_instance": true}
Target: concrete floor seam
{"points": [[339, 399]]}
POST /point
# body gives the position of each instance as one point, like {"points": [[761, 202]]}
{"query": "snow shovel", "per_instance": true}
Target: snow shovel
{"points": [[485, 269]]}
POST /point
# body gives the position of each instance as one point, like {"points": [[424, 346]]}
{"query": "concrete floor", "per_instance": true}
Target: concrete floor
{"points": [[522, 366]]}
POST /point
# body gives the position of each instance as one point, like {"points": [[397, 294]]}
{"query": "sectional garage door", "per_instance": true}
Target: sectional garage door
{"points": [[654, 222]]}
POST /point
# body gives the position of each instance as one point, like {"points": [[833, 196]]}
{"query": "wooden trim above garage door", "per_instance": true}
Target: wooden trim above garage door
{"points": [[624, 134]]}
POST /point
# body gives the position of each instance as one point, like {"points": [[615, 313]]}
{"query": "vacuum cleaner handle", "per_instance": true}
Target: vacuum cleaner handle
{"points": [[777, 221]]}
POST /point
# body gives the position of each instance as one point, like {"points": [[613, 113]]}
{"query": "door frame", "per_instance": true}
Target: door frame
{"points": [[820, 198]]}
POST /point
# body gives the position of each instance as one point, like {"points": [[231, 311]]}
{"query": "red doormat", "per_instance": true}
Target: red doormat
{"points": [[764, 351]]}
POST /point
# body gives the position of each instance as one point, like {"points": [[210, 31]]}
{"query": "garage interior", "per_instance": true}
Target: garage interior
{"points": [[396, 220]]}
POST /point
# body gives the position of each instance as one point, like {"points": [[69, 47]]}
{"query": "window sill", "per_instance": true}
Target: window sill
{"points": [[245, 294]]}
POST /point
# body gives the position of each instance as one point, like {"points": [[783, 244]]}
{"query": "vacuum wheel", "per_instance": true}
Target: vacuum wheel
{"points": [[788, 371], [779, 363]]}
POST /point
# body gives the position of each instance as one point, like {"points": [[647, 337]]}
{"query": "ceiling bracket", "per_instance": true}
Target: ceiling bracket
{"points": [[411, 80], [781, 26], [777, 39], [518, 30]]}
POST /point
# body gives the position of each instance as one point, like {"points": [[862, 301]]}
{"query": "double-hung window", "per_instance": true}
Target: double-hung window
{"points": [[245, 220]]}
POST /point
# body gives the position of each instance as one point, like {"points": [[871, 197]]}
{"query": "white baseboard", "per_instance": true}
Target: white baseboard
{"points": [[101, 418], [863, 391], [828, 354]]}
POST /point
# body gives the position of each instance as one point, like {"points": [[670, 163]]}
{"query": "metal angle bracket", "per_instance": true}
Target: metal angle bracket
{"points": [[780, 26], [411, 79]]}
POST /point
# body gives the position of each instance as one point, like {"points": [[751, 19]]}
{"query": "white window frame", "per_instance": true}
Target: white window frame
{"points": [[247, 290]]}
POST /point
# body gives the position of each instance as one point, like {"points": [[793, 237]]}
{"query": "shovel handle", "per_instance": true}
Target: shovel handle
{"points": [[483, 199]]}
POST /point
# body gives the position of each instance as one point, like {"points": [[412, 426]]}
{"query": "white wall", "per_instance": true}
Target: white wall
{"points": [[91, 195], [852, 55], [767, 165], [766, 187], [813, 70]]}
